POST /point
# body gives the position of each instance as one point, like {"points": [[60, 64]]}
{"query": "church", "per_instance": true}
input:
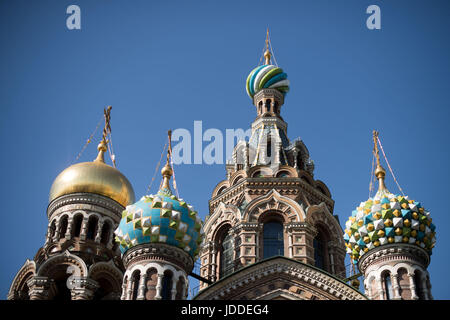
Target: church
{"points": [[270, 233]]}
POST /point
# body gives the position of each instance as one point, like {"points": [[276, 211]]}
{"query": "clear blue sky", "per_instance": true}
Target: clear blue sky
{"points": [[162, 65]]}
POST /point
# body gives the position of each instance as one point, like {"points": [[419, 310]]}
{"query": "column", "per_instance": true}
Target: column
{"points": [[99, 231], [56, 235], [38, 288], [84, 225], [69, 228], [289, 231], [381, 295], [246, 167], [174, 288], [129, 289], [412, 287], [159, 287], [213, 263], [141, 289], [396, 287], [124, 291]]}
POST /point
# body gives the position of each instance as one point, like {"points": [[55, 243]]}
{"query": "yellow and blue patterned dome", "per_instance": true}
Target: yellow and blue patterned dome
{"points": [[161, 218], [267, 76], [385, 219], [388, 219]]}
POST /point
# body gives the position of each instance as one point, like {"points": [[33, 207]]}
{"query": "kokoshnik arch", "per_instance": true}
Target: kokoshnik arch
{"points": [[270, 232]]}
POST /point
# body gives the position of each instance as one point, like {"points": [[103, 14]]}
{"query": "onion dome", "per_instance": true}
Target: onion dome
{"points": [[267, 76], [161, 218], [94, 177], [388, 219]]}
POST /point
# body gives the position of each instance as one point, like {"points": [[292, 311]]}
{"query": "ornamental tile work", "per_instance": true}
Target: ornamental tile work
{"points": [[161, 218], [388, 218]]}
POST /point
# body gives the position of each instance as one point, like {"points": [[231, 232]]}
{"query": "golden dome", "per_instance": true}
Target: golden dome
{"points": [[94, 177]]}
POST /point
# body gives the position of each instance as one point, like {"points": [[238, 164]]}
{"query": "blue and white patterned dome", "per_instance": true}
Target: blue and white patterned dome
{"points": [[266, 76], [161, 218]]}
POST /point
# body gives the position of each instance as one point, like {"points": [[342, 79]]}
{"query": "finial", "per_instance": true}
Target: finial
{"points": [[267, 54], [166, 171], [103, 145], [380, 173]]}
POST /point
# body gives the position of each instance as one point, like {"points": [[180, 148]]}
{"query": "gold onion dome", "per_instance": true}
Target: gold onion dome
{"points": [[387, 219], [94, 177]]}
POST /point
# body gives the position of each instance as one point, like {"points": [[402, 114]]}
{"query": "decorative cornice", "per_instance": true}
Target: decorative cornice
{"points": [[158, 251], [395, 251], [86, 199], [279, 265]]}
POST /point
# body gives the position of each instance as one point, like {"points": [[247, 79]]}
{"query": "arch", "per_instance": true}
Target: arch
{"points": [[290, 171], [220, 187], [109, 277], [135, 277], [63, 224], [224, 244], [52, 229], [19, 287], [92, 227], [150, 283], [105, 233], [322, 188], [386, 283], [64, 259], [77, 224], [307, 178], [237, 176], [320, 215], [273, 201]]}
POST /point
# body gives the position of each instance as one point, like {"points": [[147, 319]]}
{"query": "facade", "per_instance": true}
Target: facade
{"points": [[270, 232]]}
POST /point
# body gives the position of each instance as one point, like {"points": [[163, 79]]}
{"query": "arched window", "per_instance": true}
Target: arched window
{"points": [[268, 102], [320, 245], [258, 174], [388, 286], [275, 107], [151, 282], [135, 284], [166, 291], [269, 148], [226, 256], [52, 229], [63, 227], [283, 174], [92, 228], [77, 225], [319, 254], [105, 233], [273, 244]]}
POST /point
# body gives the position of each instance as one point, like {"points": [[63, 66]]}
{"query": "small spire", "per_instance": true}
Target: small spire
{"points": [[267, 54], [103, 145], [167, 171], [380, 173]]}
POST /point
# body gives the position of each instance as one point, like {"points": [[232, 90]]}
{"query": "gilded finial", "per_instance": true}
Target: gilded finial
{"points": [[167, 171], [267, 54], [103, 145], [380, 173]]}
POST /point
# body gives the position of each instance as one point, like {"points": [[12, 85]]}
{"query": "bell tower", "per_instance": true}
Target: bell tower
{"points": [[79, 259]]}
